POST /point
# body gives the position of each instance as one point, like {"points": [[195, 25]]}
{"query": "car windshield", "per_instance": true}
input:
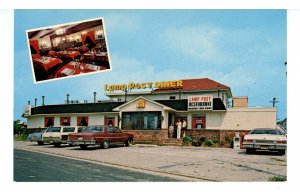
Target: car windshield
{"points": [[266, 131], [92, 129], [53, 129]]}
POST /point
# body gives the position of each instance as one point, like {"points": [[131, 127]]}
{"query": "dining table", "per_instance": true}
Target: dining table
{"points": [[68, 54], [76, 68], [48, 62]]}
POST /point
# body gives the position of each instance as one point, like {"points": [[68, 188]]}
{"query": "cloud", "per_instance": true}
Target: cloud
{"points": [[123, 23], [200, 42]]}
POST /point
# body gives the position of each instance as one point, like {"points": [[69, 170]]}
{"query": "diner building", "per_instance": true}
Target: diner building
{"points": [[147, 109]]}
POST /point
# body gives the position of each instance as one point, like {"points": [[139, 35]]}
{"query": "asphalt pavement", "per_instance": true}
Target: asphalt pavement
{"points": [[179, 163], [37, 167]]}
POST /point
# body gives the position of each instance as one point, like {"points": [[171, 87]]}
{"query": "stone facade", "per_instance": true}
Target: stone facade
{"points": [[160, 136], [148, 136]]}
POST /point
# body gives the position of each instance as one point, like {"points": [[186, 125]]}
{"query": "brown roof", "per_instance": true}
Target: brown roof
{"points": [[196, 85]]}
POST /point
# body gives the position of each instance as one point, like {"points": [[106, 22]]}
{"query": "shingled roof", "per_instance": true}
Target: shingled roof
{"points": [[203, 84], [76, 108], [179, 105]]}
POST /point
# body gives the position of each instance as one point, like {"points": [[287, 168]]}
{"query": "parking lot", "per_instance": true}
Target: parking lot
{"points": [[192, 163]]}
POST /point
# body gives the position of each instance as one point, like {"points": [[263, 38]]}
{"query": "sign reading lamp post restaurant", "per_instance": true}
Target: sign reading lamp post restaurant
{"points": [[200, 102]]}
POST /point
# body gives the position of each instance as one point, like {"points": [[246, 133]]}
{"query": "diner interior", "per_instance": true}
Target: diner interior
{"points": [[68, 50]]}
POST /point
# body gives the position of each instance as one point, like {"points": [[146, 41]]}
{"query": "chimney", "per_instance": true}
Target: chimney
{"points": [[95, 97], [68, 98], [43, 100], [240, 102]]}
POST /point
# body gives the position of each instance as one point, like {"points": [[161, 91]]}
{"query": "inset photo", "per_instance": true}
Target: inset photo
{"points": [[68, 50]]}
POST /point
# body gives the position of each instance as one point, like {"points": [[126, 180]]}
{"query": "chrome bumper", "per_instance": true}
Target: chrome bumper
{"points": [[81, 142], [264, 146]]}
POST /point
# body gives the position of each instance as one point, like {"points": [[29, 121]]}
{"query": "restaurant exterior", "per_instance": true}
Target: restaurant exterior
{"points": [[147, 110]]}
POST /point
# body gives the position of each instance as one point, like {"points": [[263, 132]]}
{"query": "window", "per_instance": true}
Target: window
{"points": [[68, 129], [199, 121], [141, 120], [93, 129], [109, 120], [49, 121], [82, 121], [53, 129], [114, 130], [172, 97], [66, 121]]}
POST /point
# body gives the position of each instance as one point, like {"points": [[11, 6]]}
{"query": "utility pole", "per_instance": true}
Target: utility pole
{"points": [[274, 101]]}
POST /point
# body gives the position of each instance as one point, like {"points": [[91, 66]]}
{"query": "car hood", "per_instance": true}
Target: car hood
{"points": [[265, 137]]}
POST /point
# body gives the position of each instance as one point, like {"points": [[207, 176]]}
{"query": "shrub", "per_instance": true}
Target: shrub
{"points": [[215, 140], [208, 142], [196, 142], [278, 178], [201, 139], [187, 139]]}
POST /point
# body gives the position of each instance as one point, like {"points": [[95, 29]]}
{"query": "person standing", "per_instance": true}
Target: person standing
{"points": [[171, 130], [183, 128], [178, 124]]}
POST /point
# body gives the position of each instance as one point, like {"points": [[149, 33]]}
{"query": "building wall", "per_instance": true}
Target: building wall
{"points": [[94, 119], [35, 122], [232, 119], [242, 119], [150, 106]]}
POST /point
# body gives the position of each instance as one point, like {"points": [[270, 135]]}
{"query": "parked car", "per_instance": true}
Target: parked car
{"points": [[103, 135], [59, 135], [265, 139], [36, 137]]}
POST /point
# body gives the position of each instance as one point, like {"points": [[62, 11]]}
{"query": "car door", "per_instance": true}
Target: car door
{"points": [[119, 135]]}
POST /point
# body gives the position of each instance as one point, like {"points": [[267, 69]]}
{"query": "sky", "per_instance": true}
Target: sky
{"points": [[243, 49]]}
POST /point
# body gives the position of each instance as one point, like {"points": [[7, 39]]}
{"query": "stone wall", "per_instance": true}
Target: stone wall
{"points": [[148, 136], [159, 136]]}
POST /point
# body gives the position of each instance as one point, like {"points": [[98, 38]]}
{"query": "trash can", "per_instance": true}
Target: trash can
{"points": [[236, 141]]}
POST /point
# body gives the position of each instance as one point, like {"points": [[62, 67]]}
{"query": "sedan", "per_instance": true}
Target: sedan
{"points": [[36, 137], [100, 135], [265, 139]]}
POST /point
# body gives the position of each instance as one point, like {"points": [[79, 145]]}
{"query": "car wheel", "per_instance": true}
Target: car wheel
{"points": [[281, 152], [56, 144], [105, 144], [40, 142], [83, 146], [249, 151], [128, 142]]}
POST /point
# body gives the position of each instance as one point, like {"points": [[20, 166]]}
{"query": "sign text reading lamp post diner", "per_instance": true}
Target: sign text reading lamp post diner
{"points": [[150, 85]]}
